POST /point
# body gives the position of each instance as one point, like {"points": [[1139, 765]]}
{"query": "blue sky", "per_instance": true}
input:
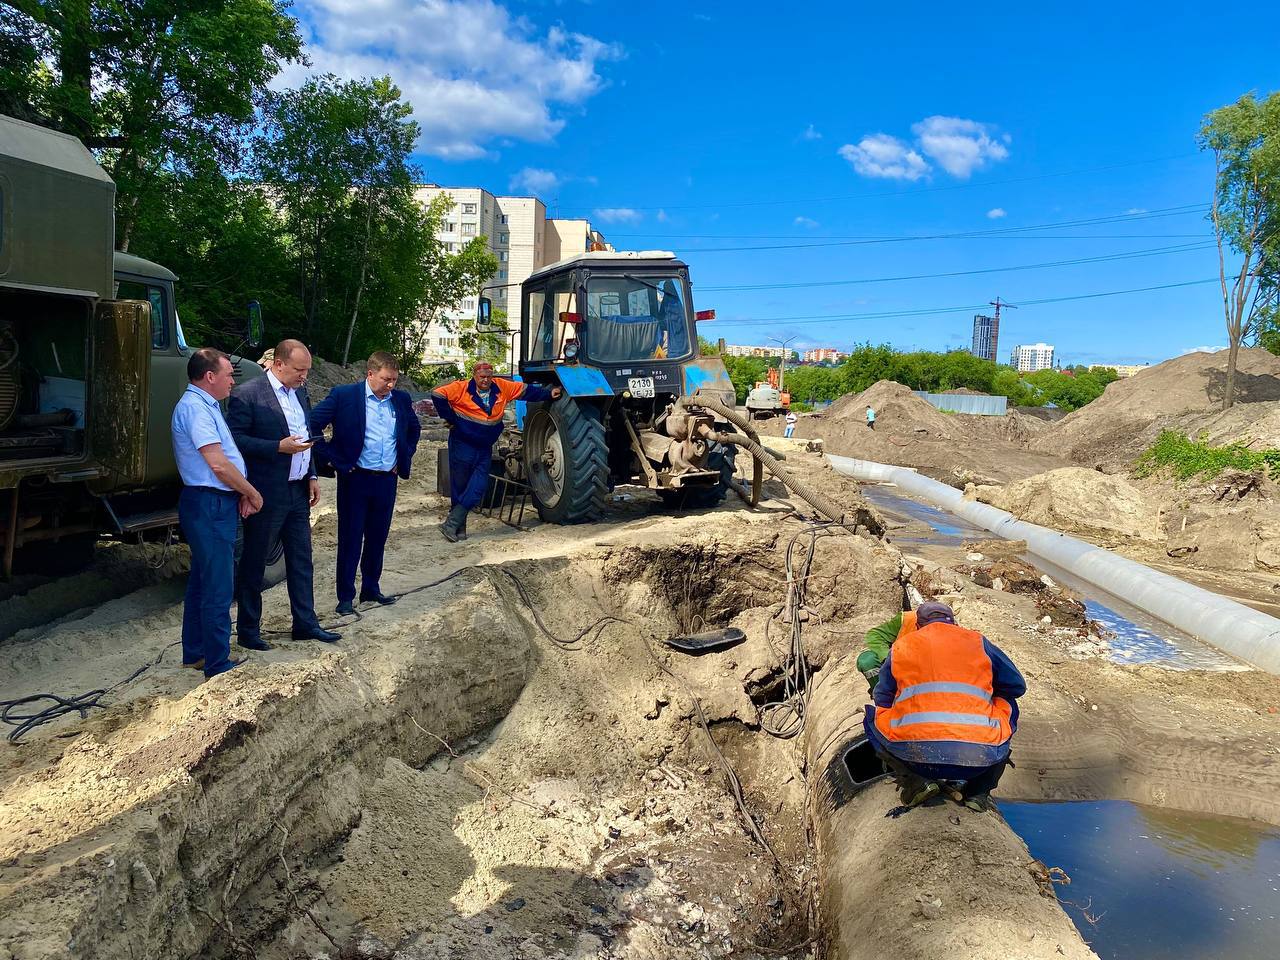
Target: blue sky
{"points": [[1052, 135]]}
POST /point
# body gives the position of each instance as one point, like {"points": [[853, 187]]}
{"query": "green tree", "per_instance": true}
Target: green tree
{"points": [[153, 86], [1245, 140], [493, 348]]}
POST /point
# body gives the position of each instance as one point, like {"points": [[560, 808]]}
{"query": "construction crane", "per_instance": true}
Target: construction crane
{"points": [[998, 303]]}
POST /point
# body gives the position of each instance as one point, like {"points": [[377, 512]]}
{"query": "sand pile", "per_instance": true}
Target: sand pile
{"points": [[1077, 500], [1112, 430], [897, 409]]}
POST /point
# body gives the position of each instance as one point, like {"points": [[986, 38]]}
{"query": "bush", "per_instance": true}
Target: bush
{"points": [[1188, 458]]}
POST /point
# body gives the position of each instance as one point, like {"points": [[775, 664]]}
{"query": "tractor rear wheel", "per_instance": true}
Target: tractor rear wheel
{"points": [[567, 461], [720, 456]]}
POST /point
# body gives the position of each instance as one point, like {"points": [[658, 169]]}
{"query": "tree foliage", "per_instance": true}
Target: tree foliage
{"points": [[1245, 139]]}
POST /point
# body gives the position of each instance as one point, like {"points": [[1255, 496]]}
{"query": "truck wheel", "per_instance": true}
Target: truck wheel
{"points": [[567, 461], [720, 456], [274, 572]]}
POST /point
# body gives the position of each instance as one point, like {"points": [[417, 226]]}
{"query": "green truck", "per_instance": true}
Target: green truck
{"points": [[92, 361]]}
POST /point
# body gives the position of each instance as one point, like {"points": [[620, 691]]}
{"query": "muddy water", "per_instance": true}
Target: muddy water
{"points": [[1149, 883], [1133, 636]]}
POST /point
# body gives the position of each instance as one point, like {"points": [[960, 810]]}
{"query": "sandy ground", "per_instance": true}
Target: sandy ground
{"points": [[458, 779]]}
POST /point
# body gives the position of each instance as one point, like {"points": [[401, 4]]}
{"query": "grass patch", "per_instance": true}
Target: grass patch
{"points": [[1187, 458]]}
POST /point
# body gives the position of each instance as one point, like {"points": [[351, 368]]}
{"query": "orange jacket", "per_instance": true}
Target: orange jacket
{"points": [[459, 403], [944, 693]]}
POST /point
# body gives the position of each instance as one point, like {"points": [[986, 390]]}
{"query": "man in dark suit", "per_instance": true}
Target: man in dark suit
{"points": [[375, 433], [268, 419]]}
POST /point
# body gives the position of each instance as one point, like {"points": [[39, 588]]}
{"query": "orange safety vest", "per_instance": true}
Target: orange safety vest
{"points": [[460, 398], [908, 625], [944, 679]]}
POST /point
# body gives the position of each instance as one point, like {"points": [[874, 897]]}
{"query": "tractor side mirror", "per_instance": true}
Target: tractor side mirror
{"points": [[254, 333], [484, 316]]}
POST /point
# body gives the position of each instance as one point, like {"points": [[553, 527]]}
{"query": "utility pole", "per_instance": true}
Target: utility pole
{"points": [[782, 366]]}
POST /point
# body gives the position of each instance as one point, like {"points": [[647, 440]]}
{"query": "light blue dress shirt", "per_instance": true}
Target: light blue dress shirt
{"points": [[197, 422], [379, 451]]}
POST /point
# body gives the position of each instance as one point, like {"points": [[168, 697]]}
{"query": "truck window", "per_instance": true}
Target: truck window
{"points": [[546, 334], [133, 290]]}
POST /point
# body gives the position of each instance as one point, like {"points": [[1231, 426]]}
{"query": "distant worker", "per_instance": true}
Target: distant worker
{"points": [[871, 418], [791, 423], [268, 417], [945, 709], [473, 409], [375, 434], [215, 495], [879, 640]]}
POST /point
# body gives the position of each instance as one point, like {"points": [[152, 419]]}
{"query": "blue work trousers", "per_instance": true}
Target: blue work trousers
{"points": [[366, 501], [468, 472], [208, 518]]}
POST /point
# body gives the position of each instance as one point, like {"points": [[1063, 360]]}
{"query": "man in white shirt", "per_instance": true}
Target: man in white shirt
{"points": [[268, 418], [791, 423]]}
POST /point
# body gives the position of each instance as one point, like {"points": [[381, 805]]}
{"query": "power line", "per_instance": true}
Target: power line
{"points": [[999, 232], [902, 193], [1131, 255], [888, 314]]}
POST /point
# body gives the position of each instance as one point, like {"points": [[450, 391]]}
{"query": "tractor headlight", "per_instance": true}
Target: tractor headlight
{"points": [[571, 349]]}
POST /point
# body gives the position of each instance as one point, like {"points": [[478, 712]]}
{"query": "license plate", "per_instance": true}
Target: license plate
{"points": [[640, 386]]}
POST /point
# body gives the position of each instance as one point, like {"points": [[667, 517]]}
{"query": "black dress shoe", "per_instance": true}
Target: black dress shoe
{"points": [[381, 598], [253, 643], [345, 608], [317, 633]]}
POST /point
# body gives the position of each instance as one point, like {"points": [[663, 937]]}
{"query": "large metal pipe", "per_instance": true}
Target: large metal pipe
{"points": [[1241, 631]]}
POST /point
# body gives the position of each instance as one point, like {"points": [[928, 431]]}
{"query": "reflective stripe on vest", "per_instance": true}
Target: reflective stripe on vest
{"points": [[964, 719], [943, 686]]}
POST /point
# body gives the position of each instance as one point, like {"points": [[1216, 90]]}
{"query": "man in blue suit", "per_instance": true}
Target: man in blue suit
{"points": [[268, 419], [375, 433]]}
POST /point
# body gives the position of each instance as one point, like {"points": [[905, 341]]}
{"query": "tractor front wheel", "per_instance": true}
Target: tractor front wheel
{"points": [[567, 461]]}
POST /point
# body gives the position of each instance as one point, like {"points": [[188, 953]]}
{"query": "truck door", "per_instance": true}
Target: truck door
{"points": [[120, 381]]}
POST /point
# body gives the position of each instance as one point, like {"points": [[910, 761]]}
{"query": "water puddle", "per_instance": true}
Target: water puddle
{"points": [[1132, 636], [1149, 883]]}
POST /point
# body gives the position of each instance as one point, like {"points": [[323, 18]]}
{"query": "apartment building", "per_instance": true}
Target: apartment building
{"points": [[1123, 370], [1032, 357], [986, 336], [739, 350], [521, 238], [822, 355]]}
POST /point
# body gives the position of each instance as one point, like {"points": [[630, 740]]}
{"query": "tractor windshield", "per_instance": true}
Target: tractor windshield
{"points": [[632, 318]]}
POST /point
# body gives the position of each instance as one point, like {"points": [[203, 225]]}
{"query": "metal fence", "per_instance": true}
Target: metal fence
{"points": [[967, 403]]}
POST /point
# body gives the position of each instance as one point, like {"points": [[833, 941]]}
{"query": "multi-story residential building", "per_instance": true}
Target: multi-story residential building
{"points": [[739, 350], [1032, 357], [986, 336], [822, 355], [521, 238], [1123, 370]]}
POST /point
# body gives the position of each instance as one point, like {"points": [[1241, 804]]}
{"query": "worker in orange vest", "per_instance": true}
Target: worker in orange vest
{"points": [[945, 710], [473, 410]]}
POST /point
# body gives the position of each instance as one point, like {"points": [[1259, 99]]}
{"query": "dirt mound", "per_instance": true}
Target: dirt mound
{"points": [[897, 408], [1077, 500], [1016, 428], [1116, 427]]}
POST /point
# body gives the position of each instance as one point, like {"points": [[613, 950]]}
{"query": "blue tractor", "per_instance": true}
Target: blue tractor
{"points": [[617, 331]]}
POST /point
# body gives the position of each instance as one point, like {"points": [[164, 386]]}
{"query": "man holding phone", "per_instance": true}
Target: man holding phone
{"points": [[268, 419]]}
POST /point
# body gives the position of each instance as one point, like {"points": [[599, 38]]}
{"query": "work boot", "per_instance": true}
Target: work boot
{"points": [[452, 524], [979, 802], [930, 789], [462, 525]]}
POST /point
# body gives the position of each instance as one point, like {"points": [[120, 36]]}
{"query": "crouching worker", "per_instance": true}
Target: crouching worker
{"points": [[879, 640], [473, 409], [945, 710]]}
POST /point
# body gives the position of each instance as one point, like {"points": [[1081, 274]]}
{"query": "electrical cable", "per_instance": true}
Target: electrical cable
{"points": [[1105, 258], [61, 706], [889, 314]]}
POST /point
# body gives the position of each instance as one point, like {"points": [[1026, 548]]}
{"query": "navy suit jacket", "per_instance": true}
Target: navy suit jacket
{"points": [[258, 424], [344, 409]]}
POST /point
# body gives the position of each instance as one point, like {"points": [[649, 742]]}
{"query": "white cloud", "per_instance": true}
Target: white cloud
{"points": [[1134, 211], [995, 213], [472, 71], [880, 155], [618, 215], [1203, 349], [662, 216], [957, 145], [805, 222], [535, 181], [810, 133]]}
